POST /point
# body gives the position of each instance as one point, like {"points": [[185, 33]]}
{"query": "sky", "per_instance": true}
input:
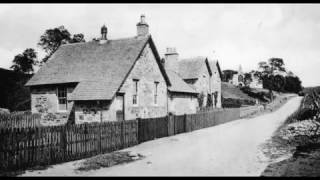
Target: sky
{"points": [[232, 33]]}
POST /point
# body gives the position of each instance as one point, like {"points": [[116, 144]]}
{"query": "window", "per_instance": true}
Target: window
{"points": [[62, 98], [156, 92], [135, 93]]}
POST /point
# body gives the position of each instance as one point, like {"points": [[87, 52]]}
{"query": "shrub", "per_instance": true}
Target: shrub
{"points": [[305, 113]]}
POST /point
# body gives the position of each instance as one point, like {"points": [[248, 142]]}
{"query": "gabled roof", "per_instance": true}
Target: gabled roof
{"points": [[191, 68], [215, 64], [177, 83], [99, 68]]}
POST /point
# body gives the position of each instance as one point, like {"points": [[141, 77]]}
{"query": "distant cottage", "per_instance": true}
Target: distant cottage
{"points": [[103, 80], [238, 78], [199, 73]]}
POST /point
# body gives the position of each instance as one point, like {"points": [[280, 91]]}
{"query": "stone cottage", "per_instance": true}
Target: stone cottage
{"points": [[103, 80], [201, 74]]}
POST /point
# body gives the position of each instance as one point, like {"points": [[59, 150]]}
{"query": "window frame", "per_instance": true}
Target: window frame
{"points": [[64, 91], [135, 98], [155, 95]]}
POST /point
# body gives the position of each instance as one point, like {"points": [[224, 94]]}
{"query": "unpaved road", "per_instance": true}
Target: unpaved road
{"points": [[230, 149]]}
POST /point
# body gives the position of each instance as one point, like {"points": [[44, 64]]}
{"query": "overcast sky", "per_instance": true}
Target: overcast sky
{"points": [[232, 33]]}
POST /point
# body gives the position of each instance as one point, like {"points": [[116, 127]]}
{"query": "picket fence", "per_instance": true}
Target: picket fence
{"points": [[23, 148], [19, 120]]}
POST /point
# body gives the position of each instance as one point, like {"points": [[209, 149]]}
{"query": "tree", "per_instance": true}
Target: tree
{"points": [[271, 74], [52, 39], [77, 38], [293, 84], [227, 75], [276, 65], [247, 79], [24, 62]]}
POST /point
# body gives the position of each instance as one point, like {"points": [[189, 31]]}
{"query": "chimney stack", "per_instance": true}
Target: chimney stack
{"points": [[142, 27], [171, 60]]}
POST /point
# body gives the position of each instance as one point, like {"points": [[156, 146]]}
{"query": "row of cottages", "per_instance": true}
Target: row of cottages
{"points": [[200, 73], [110, 80]]}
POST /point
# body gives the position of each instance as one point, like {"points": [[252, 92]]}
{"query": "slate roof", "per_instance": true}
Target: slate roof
{"points": [[100, 69], [177, 83], [192, 67]]}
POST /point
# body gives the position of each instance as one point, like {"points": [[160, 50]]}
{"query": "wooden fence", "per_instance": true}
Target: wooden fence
{"points": [[19, 120], [22, 148], [153, 128]]}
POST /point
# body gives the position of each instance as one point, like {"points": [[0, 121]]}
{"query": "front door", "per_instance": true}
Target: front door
{"points": [[120, 109]]}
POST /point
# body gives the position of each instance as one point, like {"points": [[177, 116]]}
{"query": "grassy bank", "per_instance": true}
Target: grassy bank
{"points": [[298, 139]]}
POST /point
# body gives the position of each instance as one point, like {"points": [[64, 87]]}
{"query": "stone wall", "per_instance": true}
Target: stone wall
{"points": [[203, 84], [250, 110], [216, 86], [45, 100], [179, 104], [147, 71]]}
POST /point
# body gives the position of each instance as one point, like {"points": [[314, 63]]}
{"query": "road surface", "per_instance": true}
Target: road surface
{"points": [[230, 149]]}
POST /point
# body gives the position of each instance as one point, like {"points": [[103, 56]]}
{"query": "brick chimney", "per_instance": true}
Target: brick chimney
{"points": [[171, 60], [142, 27]]}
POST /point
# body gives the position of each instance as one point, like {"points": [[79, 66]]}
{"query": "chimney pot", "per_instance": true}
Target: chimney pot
{"points": [[142, 27]]}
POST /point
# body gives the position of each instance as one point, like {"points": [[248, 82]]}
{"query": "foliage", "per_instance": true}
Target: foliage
{"points": [[13, 94], [293, 84], [271, 74], [24, 62], [227, 75], [200, 99], [209, 100], [247, 79], [52, 39], [257, 95], [215, 94]]}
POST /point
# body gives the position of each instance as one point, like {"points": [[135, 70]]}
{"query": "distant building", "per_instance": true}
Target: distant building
{"points": [[238, 78]]}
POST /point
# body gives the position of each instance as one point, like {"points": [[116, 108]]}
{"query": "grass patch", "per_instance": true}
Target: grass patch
{"points": [[108, 160]]}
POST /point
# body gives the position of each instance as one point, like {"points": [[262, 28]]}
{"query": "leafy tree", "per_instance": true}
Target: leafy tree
{"points": [[52, 39], [227, 75], [247, 79], [272, 80], [24, 62], [209, 100], [77, 38], [293, 84]]}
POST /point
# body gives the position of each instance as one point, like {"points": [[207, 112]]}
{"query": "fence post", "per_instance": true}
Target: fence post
{"points": [[185, 122], [139, 134], [63, 141]]}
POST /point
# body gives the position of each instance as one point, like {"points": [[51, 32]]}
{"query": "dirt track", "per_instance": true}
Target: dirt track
{"points": [[230, 149]]}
